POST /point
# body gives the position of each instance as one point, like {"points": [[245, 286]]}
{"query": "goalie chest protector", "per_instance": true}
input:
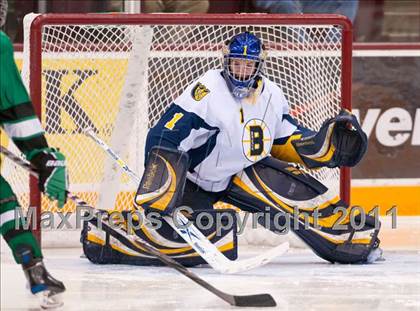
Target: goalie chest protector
{"points": [[234, 133]]}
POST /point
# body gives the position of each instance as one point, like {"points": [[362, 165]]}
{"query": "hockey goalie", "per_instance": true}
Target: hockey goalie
{"points": [[229, 137]]}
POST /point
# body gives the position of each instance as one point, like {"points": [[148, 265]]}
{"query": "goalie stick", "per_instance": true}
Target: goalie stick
{"points": [[258, 300], [207, 250]]}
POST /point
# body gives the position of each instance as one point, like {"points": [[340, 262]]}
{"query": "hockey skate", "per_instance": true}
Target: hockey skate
{"points": [[375, 253], [40, 282]]}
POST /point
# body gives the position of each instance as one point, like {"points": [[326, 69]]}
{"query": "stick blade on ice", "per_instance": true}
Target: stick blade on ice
{"points": [[260, 300]]}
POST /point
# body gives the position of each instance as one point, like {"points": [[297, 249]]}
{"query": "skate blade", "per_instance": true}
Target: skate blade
{"points": [[48, 300], [375, 255]]}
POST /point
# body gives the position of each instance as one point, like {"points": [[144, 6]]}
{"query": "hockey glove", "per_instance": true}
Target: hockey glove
{"points": [[339, 142], [53, 178]]}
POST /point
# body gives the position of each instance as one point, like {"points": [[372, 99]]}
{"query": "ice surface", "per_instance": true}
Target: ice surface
{"points": [[298, 280]]}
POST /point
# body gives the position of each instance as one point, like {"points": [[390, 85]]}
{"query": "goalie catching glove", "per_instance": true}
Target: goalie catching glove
{"points": [[53, 179], [340, 142], [162, 185]]}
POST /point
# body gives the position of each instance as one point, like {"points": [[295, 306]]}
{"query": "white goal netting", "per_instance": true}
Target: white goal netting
{"points": [[119, 79]]}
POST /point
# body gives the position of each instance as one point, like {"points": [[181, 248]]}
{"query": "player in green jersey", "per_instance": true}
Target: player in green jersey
{"points": [[18, 120]]}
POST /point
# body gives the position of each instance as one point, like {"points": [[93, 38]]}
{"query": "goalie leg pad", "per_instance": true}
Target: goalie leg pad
{"points": [[104, 246], [163, 181], [309, 210], [355, 249]]}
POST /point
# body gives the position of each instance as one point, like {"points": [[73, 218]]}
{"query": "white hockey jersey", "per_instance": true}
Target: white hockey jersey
{"points": [[221, 134]]}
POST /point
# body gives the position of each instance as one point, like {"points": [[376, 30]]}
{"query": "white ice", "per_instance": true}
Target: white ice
{"points": [[298, 280]]}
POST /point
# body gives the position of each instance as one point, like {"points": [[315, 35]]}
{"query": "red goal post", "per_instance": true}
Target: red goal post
{"points": [[310, 58]]}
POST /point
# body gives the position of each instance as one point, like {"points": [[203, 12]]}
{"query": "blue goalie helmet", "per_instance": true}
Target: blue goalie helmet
{"points": [[244, 57]]}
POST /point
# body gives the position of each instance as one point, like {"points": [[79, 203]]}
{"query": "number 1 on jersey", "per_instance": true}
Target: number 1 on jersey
{"points": [[171, 123]]}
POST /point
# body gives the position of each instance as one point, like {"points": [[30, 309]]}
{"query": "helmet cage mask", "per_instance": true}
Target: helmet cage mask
{"points": [[241, 86]]}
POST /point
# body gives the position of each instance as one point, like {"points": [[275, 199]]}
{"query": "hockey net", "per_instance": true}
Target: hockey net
{"points": [[118, 73]]}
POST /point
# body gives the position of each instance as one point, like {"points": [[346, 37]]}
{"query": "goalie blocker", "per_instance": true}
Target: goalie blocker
{"points": [[162, 185]]}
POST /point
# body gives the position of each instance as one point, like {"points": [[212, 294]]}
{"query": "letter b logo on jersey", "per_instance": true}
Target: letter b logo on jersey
{"points": [[256, 140]]}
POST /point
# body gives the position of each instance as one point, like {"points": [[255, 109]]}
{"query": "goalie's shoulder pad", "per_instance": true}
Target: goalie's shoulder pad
{"points": [[197, 96], [162, 184]]}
